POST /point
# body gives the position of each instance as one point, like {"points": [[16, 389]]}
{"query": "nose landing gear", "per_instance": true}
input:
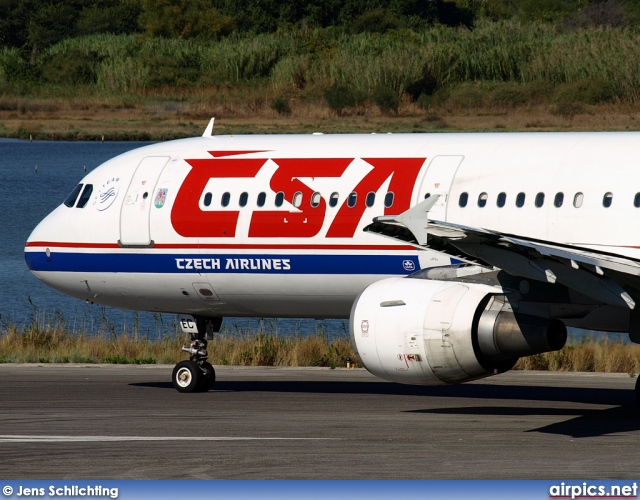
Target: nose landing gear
{"points": [[196, 374]]}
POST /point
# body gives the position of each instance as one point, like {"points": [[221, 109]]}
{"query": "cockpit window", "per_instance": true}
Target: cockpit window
{"points": [[85, 196], [73, 196]]}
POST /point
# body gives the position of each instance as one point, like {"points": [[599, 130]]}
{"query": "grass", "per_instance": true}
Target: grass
{"points": [[57, 345], [54, 119], [587, 356]]}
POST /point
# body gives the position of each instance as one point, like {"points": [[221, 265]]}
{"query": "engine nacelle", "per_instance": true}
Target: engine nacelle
{"points": [[432, 332]]}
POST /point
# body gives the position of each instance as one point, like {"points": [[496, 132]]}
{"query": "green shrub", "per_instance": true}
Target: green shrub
{"points": [[463, 96], [386, 99], [71, 67], [376, 21], [165, 70], [184, 19], [539, 90], [567, 109], [509, 95], [426, 85], [13, 68], [588, 91], [424, 101], [339, 97], [281, 106], [116, 359]]}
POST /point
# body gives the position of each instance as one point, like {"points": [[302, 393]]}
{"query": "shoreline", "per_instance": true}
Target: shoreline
{"points": [[44, 120]]}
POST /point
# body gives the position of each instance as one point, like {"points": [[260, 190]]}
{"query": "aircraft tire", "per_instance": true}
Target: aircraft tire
{"points": [[208, 378], [638, 390], [187, 376]]}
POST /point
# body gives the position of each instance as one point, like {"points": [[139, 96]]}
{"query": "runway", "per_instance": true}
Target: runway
{"points": [[127, 422]]}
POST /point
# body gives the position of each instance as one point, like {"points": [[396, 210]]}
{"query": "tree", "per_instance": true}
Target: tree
{"points": [[376, 21], [184, 19], [14, 15], [546, 10], [50, 23], [600, 13], [109, 16]]}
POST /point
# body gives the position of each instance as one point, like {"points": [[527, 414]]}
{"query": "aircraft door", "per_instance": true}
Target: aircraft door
{"points": [[437, 180], [134, 216]]}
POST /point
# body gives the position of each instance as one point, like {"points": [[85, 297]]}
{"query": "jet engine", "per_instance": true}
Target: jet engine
{"points": [[430, 332]]}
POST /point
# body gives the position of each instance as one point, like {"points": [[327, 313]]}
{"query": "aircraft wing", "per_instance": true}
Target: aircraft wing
{"points": [[599, 275]]}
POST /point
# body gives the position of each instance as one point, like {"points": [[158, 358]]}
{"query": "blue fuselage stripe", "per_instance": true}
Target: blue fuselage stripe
{"points": [[222, 263]]}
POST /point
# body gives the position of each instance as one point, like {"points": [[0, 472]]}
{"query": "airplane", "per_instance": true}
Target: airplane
{"points": [[452, 254]]}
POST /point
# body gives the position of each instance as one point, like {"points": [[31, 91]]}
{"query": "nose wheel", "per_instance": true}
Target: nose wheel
{"points": [[193, 376], [196, 374], [186, 376]]}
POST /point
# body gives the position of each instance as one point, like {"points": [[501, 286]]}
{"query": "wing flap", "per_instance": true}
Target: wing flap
{"points": [[582, 269]]}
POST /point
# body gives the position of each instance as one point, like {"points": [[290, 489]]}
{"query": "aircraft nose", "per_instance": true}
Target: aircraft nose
{"points": [[34, 247], [37, 247]]}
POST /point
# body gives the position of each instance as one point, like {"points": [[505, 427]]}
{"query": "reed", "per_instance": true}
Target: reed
{"points": [[54, 343], [587, 356], [298, 62], [11, 64], [57, 345]]}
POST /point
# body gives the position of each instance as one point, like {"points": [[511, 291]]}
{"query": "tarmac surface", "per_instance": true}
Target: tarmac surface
{"points": [[127, 422]]}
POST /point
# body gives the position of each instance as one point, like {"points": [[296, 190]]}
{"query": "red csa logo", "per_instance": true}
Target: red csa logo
{"points": [[190, 220]]}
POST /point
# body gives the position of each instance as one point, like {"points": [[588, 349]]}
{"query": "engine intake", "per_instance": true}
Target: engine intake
{"points": [[433, 332]]}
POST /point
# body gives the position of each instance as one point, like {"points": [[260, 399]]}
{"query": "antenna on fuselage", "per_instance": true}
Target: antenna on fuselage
{"points": [[208, 132]]}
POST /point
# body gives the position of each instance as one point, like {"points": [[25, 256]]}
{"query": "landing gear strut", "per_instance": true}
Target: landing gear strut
{"points": [[196, 374]]}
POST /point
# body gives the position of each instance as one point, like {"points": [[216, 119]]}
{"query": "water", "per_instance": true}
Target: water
{"points": [[27, 196]]}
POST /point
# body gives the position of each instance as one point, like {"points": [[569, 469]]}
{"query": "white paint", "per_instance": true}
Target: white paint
{"points": [[9, 438]]}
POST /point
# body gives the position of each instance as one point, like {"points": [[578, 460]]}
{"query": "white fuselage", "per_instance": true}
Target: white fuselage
{"points": [[271, 226]]}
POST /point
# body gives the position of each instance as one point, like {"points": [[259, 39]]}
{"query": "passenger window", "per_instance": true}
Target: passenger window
{"points": [[315, 199], [279, 199], [244, 197], [501, 200], [297, 199], [558, 199], [73, 196], [352, 200], [578, 199], [482, 200], [226, 197], [539, 200], [388, 199], [262, 198], [85, 196], [371, 199], [464, 198], [606, 200], [333, 199], [636, 201], [520, 200], [207, 199]]}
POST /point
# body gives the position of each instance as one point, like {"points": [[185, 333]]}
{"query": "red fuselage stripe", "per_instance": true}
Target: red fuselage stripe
{"points": [[62, 244]]}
